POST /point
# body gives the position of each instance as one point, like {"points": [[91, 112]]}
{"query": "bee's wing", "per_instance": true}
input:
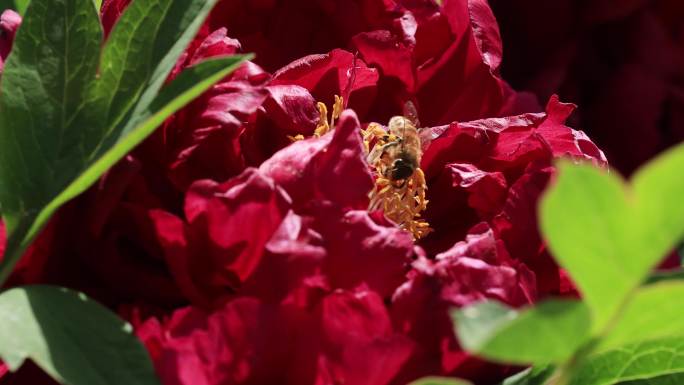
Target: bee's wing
{"points": [[411, 113], [426, 135]]}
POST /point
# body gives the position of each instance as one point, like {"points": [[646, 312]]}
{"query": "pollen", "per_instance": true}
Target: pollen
{"points": [[401, 201]]}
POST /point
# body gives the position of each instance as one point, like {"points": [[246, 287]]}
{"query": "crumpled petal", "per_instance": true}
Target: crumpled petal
{"points": [[361, 251], [463, 83], [342, 338], [331, 168], [629, 55], [472, 270], [510, 143], [516, 147], [279, 32], [292, 262], [289, 110], [202, 140], [393, 52], [517, 226], [334, 73], [322, 249], [228, 226], [290, 278], [357, 340], [237, 343], [473, 195], [9, 23], [129, 250], [482, 171]]}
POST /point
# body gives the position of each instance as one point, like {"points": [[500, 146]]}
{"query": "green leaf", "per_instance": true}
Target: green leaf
{"points": [[56, 119], [586, 221], [638, 361], [654, 312], [61, 127], [190, 84], [139, 55], [609, 235], [664, 276], [17, 5], [72, 338], [22, 5], [668, 379], [496, 332], [45, 79], [532, 376], [658, 192], [439, 381]]}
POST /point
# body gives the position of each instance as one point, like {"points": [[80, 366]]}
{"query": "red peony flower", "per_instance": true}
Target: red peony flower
{"points": [[253, 259]]}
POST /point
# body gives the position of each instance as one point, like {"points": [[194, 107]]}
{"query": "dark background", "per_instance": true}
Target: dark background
{"points": [[620, 61]]}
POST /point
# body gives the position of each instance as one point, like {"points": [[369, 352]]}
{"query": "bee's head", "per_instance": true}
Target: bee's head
{"points": [[401, 169]]}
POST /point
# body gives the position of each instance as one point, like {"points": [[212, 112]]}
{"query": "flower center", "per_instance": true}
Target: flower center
{"points": [[394, 155], [400, 186]]}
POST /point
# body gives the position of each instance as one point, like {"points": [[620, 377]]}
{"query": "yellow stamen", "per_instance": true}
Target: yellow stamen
{"points": [[295, 138], [338, 106], [323, 127]]}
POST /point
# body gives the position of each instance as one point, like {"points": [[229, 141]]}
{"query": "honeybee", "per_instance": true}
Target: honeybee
{"points": [[400, 189], [401, 147]]}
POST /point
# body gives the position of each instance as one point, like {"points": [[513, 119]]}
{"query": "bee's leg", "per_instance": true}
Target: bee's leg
{"points": [[373, 131], [401, 184], [374, 155]]}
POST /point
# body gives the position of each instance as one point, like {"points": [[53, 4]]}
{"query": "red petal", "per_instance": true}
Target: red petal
{"points": [[470, 271], [393, 54], [9, 23], [362, 251], [463, 83], [228, 228], [111, 11], [288, 111], [293, 256], [358, 340], [331, 74], [331, 168]]}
